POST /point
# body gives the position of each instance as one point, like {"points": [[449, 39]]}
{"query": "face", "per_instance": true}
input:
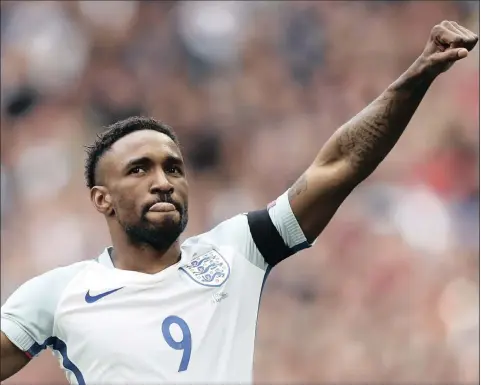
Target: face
{"points": [[143, 169]]}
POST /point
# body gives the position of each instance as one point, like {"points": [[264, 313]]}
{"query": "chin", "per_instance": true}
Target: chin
{"points": [[158, 235]]}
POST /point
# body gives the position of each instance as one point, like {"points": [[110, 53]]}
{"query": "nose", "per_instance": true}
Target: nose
{"points": [[160, 184]]}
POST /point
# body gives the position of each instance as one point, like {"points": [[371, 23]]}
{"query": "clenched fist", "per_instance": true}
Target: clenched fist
{"points": [[448, 43]]}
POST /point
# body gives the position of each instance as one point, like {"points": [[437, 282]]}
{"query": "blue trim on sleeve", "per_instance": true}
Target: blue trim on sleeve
{"points": [[60, 346], [35, 349], [300, 246]]}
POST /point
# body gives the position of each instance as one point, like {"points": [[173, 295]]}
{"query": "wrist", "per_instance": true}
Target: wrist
{"points": [[418, 76], [422, 68]]}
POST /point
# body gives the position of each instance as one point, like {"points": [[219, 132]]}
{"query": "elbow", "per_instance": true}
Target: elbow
{"points": [[342, 174]]}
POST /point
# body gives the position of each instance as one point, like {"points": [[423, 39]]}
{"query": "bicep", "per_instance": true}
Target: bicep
{"points": [[12, 358], [317, 194]]}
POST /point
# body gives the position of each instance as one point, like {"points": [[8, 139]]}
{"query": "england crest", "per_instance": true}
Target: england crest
{"points": [[210, 269]]}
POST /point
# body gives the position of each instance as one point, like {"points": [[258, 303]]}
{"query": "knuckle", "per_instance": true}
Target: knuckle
{"points": [[437, 29]]}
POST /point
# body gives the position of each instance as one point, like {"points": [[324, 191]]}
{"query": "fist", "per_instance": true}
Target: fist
{"points": [[448, 43]]}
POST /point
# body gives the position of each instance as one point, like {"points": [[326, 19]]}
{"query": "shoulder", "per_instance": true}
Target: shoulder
{"points": [[28, 314], [60, 276], [232, 237], [45, 289], [265, 237]]}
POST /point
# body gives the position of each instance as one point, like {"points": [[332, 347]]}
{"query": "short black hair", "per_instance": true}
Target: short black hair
{"points": [[113, 133]]}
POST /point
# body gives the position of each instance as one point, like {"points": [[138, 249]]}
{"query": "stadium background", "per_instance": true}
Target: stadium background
{"points": [[389, 293]]}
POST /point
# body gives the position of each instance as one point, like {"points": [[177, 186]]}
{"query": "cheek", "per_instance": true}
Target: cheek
{"points": [[125, 207], [183, 192]]}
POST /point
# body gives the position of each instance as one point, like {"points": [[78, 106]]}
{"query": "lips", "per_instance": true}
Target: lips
{"points": [[162, 207], [164, 204]]}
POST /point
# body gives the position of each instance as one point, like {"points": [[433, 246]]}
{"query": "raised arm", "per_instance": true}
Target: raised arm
{"points": [[12, 359], [355, 150]]}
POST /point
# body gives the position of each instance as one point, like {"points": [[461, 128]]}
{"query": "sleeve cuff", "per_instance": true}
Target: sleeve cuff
{"points": [[286, 223], [16, 334]]}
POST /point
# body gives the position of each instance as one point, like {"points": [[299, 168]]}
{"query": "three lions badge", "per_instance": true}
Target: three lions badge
{"points": [[209, 269]]}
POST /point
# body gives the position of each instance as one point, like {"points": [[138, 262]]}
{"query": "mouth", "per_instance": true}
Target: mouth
{"points": [[162, 207]]}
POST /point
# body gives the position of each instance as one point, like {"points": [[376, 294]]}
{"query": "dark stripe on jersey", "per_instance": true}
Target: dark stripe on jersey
{"points": [[57, 344], [266, 237]]}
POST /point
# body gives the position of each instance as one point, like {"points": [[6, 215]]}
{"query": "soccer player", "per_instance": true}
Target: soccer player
{"points": [[151, 310]]}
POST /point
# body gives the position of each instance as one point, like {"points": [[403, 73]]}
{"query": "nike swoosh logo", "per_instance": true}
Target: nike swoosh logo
{"points": [[94, 298]]}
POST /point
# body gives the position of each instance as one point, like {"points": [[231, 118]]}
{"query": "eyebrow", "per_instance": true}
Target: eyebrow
{"points": [[137, 161], [174, 159], [146, 160]]}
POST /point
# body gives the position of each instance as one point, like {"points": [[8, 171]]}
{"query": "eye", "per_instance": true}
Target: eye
{"points": [[136, 170], [174, 169]]}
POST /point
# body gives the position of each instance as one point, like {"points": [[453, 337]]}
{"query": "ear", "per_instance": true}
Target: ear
{"points": [[102, 200]]}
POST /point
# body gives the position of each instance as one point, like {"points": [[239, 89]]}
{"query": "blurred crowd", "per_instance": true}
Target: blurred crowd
{"points": [[390, 291]]}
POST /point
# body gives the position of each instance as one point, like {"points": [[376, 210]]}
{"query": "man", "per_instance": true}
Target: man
{"points": [[150, 310]]}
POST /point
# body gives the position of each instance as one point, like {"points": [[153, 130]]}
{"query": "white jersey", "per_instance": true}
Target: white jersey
{"points": [[192, 322]]}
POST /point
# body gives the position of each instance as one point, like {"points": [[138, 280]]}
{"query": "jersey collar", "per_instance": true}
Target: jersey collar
{"points": [[106, 260]]}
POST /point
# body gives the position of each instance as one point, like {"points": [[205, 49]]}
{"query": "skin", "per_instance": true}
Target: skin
{"points": [[140, 169], [12, 358], [355, 150], [349, 156]]}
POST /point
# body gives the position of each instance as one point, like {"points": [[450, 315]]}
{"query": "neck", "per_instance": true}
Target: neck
{"points": [[143, 258]]}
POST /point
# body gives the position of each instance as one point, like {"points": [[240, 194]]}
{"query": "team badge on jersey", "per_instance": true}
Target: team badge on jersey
{"points": [[210, 269]]}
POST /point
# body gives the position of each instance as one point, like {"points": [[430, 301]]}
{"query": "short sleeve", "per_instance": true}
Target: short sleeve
{"points": [[235, 233], [27, 317], [286, 223], [265, 237]]}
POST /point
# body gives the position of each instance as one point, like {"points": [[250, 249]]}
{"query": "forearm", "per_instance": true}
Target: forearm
{"points": [[364, 141], [356, 149]]}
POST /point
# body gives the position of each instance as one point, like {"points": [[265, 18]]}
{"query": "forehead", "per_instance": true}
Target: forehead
{"points": [[144, 143]]}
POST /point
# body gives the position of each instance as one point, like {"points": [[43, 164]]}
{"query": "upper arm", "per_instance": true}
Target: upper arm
{"points": [[318, 193], [265, 237], [12, 358], [25, 320], [27, 317]]}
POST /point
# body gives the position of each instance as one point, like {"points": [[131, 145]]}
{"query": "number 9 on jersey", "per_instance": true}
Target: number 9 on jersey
{"points": [[185, 344]]}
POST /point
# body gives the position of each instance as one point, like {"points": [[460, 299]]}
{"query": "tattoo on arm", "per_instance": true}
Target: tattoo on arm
{"points": [[298, 187], [367, 138]]}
